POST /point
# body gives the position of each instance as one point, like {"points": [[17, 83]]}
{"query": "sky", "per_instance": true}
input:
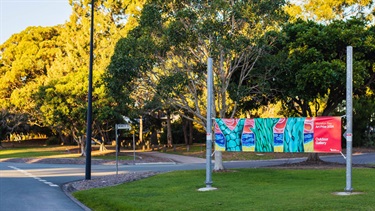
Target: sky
{"points": [[17, 15]]}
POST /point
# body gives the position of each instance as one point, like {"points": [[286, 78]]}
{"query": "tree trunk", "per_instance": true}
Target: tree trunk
{"points": [[102, 145], [313, 158], [218, 161], [185, 131], [169, 130], [218, 154], [190, 132], [140, 130], [82, 144]]}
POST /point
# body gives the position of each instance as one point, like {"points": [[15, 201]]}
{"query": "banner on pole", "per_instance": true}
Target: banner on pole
{"points": [[315, 134]]}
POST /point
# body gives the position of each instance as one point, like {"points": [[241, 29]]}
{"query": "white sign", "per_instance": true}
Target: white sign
{"points": [[123, 127]]}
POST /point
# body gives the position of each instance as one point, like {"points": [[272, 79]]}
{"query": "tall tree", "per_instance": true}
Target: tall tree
{"points": [[25, 59], [113, 19], [53, 62], [174, 40], [311, 69]]}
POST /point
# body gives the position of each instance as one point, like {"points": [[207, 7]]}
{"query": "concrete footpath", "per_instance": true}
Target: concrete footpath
{"points": [[358, 158], [176, 158]]}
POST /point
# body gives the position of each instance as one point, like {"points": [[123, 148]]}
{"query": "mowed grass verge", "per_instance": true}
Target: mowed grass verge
{"points": [[57, 152], [242, 189]]}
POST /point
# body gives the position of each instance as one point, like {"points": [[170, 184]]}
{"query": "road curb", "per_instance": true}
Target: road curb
{"points": [[157, 163], [67, 188]]}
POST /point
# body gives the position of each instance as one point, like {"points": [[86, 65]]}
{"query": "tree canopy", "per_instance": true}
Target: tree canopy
{"points": [[152, 55], [44, 69], [312, 60], [329, 10]]}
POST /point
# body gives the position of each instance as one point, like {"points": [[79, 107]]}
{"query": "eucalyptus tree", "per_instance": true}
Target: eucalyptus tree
{"points": [[68, 86], [24, 62], [44, 69], [311, 65], [328, 10], [25, 58], [172, 44]]}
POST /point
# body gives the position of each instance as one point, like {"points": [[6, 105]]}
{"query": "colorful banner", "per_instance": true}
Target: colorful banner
{"points": [[316, 134]]}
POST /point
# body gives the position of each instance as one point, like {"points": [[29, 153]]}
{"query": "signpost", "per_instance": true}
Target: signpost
{"points": [[120, 127]]}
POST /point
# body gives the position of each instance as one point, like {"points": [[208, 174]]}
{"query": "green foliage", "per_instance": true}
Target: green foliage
{"points": [[328, 10], [25, 58], [43, 70], [310, 75], [166, 54], [312, 64], [364, 124]]}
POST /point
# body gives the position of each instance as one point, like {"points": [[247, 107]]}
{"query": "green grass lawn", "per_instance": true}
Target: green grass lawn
{"points": [[243, 189], [57, 152], [32, 152]]}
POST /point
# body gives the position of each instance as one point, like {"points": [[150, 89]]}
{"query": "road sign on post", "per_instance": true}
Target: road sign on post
{"points": [[123, 127], [120, 127]]}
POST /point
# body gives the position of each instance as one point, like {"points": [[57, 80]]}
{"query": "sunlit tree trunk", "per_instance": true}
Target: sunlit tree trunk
{"points": [[140, 130], [82, 144], [169, 130]]}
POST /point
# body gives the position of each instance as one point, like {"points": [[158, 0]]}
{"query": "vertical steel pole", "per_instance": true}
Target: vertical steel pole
{"points": [[134, 146], [209, 124], [349, 117], [89, 101], [116, 128]]}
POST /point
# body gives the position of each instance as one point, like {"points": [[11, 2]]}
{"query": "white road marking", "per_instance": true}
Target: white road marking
{"points": [[35, 177]]}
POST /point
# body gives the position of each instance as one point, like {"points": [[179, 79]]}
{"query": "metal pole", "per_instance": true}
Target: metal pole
{"points": [[134, 145], [349, 117], [116, 128], [89, 102], [209, 124]]}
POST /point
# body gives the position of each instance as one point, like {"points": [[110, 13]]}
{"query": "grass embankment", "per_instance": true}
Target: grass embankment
{"points": [[58, 152], [244, 189], [199, 150]]}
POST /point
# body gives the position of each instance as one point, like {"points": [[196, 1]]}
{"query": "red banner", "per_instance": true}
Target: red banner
{"points": [[327, 134]]}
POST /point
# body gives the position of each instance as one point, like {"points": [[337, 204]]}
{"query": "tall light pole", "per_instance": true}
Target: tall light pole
{"points": [[209, 127], [349, 117], [89, 101]]}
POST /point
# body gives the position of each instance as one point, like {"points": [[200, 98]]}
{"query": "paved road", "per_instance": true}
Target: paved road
{"points": [[364, 158], [33, 187], [38, 186]]}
